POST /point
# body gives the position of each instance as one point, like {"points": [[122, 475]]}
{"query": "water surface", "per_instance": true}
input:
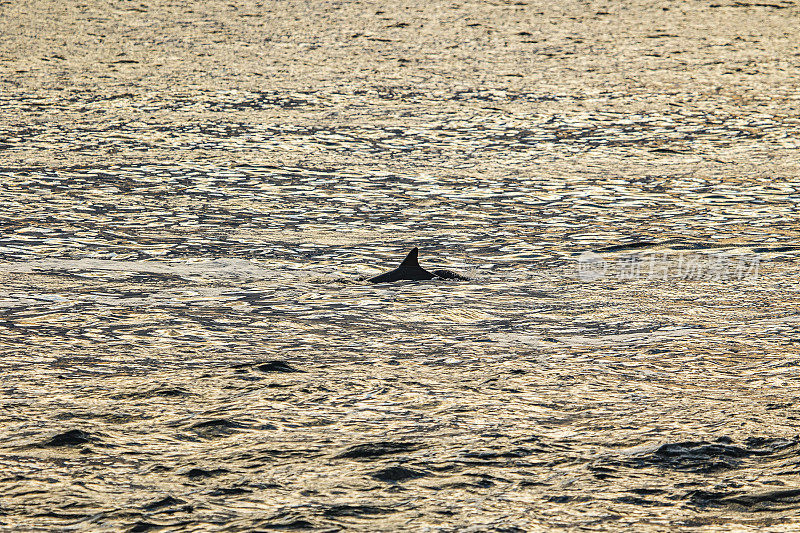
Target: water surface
{"points": [[187, 217]]}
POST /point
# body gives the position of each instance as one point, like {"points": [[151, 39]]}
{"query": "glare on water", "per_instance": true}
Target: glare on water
{"points": [[187, 338]]}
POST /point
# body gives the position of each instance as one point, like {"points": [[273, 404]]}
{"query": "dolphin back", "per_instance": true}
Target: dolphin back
{"points": [[449, 274], [401, 273], [409, 269]]}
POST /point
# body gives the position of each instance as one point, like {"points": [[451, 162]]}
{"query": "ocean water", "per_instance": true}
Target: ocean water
{"points": [[187, 339]]}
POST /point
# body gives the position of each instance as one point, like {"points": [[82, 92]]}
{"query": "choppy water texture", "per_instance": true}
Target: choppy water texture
{"points": [[191, 194]]}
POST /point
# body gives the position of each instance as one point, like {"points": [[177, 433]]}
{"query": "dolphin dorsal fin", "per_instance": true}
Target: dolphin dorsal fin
{"points": [[411, 260]]}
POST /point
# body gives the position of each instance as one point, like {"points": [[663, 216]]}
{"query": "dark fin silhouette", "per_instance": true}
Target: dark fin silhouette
{"points": [[412, 259], [409, 269]]}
